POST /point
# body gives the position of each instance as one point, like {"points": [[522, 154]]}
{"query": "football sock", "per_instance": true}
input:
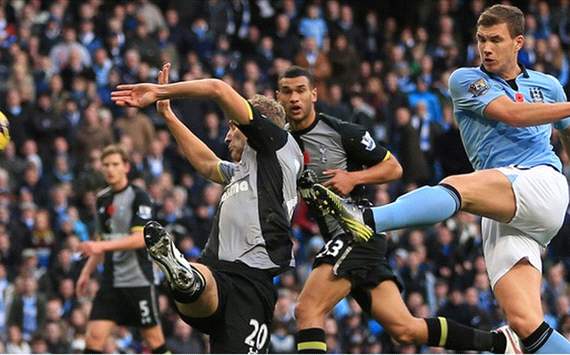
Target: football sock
{"points": [[446, 333], [424, 206], [161, 350], [193, 293], [545, 340], [311, 341]]}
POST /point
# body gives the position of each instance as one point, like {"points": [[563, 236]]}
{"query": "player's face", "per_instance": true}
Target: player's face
{"points": [[498, 50], [297, 97], [115, 170], [236, 142]]}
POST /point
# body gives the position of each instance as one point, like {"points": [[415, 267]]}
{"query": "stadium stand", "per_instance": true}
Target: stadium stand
{"points": [[385, 64]]}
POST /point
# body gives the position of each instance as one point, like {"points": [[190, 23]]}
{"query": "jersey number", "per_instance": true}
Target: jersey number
{"points": [[332, 248], [145, 312], [258, 337]]}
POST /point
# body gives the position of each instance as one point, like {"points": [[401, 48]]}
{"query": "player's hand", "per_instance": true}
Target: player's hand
{"points": [[81, 285], [91, 248], [340, 180], [163, 106], [135, 95]]}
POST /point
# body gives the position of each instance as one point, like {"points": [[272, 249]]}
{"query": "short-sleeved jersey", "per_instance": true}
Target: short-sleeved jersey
{"points": [[253, 221], [329, 143], [490, 143], [119, 213]]}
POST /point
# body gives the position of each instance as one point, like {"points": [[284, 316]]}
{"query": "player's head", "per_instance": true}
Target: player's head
{"points": [[297, 93], [115, 166], [267, 107], [236, 141], [500, 30]]}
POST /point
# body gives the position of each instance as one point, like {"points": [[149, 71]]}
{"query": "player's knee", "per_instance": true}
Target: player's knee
{"points": [[95, 339], [523, 323]]}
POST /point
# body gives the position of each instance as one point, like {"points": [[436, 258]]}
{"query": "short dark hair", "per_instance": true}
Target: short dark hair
{"points": [[115, 149], [497, 14], [297, 71]]}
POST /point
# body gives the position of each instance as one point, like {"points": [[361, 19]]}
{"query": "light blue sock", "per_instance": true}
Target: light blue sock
{"points": [[555, 344], [424, 206]]}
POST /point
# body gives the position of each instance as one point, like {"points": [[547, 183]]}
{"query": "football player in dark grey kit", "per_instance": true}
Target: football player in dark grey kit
{"points": [[229, 293], [343, 157], [127, 295]]}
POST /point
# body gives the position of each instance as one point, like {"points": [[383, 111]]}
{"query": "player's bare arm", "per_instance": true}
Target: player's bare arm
{"points": [[564, 135], [142, 95], [521, 114], [344, 181], [133, 241], [202, 158]]}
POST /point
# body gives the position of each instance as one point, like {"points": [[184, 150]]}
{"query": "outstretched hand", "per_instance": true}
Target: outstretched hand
{"points": [[135, 95], [163, 106]]}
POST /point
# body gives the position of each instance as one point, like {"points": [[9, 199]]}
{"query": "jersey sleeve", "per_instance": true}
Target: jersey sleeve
{"points": [[142, 211], [560, 97], [471, 90], [360, 147], [262, 134], [226, 170]]}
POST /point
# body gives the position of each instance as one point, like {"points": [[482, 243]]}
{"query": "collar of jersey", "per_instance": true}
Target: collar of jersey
{"points": [[305, 130], [523, 69]]}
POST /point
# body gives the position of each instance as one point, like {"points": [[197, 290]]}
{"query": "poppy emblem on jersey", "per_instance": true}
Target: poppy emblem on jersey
{"points": [[536, 95], [519, 97], [111, 210], [479, 87]]}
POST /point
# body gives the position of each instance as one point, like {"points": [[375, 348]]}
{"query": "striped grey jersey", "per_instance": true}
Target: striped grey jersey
{"points": [[329, 143], [253, 221], [119, 213]]}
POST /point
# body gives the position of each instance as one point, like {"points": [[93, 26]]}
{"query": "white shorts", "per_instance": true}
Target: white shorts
{"points": [[541, 195]]}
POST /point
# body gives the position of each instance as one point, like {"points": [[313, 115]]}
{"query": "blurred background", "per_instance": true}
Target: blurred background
{"points": [[383, 64]]}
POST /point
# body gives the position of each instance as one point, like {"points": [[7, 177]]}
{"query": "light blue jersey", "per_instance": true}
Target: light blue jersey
{"points": [[492, 144]]}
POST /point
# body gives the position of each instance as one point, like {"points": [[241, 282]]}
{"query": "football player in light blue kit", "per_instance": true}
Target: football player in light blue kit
{"points": [[505, 113]]}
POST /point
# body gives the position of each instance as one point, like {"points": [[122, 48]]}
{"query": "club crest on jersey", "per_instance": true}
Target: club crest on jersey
{"points": [[368, 142], [479, 87], [323, 151], [536, 95]]}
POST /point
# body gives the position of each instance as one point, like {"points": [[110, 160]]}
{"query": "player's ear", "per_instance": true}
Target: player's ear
{"points": [[519, 42]]}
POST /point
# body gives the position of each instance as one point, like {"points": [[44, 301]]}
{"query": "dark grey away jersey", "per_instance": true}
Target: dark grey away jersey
{"points": [[119, 213], [330, 143], [253, 221]]}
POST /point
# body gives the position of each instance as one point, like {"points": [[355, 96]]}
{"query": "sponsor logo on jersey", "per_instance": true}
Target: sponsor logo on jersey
{"points": [[234, 189]]}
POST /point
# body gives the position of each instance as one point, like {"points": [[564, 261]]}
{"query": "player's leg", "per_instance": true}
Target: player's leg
{"points": [[513, 255], [518, 293], [388, 308], [321, 292], [155, 339], [486, 192], [96, 335], [192, 286]]}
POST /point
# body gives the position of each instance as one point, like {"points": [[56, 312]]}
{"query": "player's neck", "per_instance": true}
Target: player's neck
{"points": [[511, 72], [120, 185], [306, 123]]}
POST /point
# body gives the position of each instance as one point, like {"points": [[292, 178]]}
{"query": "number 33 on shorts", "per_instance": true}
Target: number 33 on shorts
{"points": [[257, 338]]}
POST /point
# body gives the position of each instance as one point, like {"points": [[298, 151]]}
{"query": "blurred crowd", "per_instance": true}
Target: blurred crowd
{"points": [[382, 64]]}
